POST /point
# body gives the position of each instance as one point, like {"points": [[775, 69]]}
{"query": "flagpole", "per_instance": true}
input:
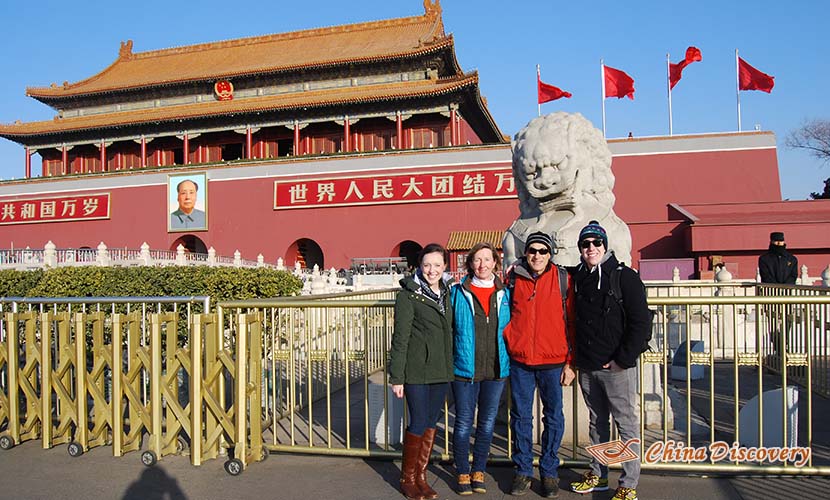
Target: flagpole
{"points": [[538, 84], [602, 78], [738, 88], [668, 86]]}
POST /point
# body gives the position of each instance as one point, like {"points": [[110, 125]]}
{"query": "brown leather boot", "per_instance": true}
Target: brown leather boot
{"points": [[409, 466], [423, 460]]}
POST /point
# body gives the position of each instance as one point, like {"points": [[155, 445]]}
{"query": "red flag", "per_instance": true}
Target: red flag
{"points": [[676, 70], [618, 84], [549, 92], [750, 78]]}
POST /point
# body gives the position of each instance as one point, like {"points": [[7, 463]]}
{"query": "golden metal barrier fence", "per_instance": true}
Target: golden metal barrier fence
{"points": [[116, 371], [309, 375], [329, 398]]}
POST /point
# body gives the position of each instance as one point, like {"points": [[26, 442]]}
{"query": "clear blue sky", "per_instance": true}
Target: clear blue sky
{"points": [[56, 41]]}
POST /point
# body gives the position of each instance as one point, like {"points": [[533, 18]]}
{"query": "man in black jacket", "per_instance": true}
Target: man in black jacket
{"points": [[778, 265], [611, 332]]}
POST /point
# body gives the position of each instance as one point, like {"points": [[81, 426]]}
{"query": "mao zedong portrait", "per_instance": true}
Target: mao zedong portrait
{"points": [[187, 216]]}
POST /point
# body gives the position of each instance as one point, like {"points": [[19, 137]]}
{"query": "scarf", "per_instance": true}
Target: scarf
{"points": [[438, 298], [484, 283]]}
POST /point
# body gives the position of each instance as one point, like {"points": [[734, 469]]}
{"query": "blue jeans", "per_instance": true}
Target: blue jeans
{"points": [[487, 394], [522, 384], [424, 402]]}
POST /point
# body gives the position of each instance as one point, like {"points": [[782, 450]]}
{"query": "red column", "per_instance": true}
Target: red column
{"points": [[103, 156], [28, 164], [399, 130], [297, 151], [248, 146], [347, 135], [453, 128], [64, 160], [143, 152], [186, 149]]}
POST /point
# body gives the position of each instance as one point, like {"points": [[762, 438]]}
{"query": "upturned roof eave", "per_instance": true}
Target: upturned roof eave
{"points": [[460, 85], [51, 96]]}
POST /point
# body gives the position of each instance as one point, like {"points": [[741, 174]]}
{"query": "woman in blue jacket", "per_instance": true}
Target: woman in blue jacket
{"points": [[481, 310]]}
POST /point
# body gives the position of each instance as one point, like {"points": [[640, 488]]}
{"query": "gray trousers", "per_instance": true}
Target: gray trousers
{"points": [[610, 393]]}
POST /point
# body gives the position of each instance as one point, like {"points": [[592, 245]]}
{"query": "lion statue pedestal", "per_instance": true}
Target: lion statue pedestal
{"points": [[562, 169]]}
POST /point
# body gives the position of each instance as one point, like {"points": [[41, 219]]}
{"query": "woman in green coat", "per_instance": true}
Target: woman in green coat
{"points": [[420, 365]]}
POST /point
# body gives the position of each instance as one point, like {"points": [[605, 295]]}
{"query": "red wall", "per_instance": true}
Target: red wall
{"points": [[646, 184]]}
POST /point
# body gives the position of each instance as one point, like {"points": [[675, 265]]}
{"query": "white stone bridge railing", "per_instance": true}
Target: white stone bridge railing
{"points": [[51, 256]]}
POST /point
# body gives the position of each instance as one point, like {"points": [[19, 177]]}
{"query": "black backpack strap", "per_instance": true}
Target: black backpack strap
{"points": [[563, 283]]}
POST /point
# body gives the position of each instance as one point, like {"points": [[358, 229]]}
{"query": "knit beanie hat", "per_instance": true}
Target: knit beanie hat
{"points": [[540, 238], [776, 236], [593, 229]]}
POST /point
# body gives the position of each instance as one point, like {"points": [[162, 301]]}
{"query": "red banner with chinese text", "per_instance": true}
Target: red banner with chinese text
{"points": [[60, 209], [416, 187]]}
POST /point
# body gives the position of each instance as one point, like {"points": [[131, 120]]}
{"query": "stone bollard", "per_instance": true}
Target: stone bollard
{"points": [[211, 256], [181, 260], [675, 275], [298, 269], [237, 259], [260, 260], [825, 276], [805, 277], [50, 256], [280, 264], [103, 257], [723, 275], [144, 256]]}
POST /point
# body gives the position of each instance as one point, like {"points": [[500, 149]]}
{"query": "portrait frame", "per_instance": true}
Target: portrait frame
{"points": [[177, 222]]}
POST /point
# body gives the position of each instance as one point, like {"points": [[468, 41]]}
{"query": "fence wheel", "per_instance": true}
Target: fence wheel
{"points": [[149, 458], [6, 442], [181, 445], [75, 450], [265, 454], [234, 467]]}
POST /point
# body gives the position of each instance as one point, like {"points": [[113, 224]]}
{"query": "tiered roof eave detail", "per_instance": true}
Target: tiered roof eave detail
{"points": [[368, 42], [401, 91]]}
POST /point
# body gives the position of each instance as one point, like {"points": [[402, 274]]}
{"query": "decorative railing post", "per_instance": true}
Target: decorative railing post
{"points": [[50, 256], [260, 260], [103, 257], [237, 259], [180, 258], [723, 275], [675, 275], [805, 276], [281, 264], [211, 256], [144, 256]]}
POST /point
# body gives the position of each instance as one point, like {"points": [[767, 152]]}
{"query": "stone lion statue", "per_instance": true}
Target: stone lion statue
{"points": [[562, 170]]}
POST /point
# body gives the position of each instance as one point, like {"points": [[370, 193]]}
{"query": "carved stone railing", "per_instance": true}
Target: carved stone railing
{"points": [[50, 257]]}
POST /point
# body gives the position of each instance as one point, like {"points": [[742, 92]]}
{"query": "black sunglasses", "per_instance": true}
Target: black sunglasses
{"points": [[540, 251], [588, 243]]}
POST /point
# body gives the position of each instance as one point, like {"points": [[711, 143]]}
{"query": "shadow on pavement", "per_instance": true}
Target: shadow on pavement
{"points": [[154, 484]]}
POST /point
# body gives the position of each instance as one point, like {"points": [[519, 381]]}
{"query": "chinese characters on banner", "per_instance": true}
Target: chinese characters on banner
{"points": [[399, 188], [65, 208]]}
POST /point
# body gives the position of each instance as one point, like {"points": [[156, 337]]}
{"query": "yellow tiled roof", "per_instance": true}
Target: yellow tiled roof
{"points": [[363, 42], [464, 240], [316, 98]]}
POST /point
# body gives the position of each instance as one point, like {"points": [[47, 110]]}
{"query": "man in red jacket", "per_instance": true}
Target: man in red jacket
{"points": [[539, 339]]}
